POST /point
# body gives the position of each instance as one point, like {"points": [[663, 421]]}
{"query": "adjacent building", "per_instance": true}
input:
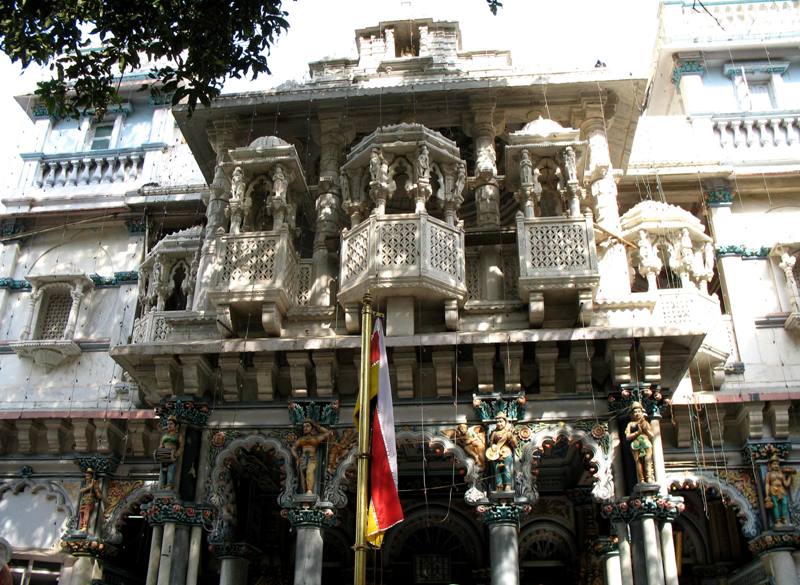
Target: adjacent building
{"points": [[589, 292]]}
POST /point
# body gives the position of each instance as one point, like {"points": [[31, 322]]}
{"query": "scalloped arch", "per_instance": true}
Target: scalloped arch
{"points": [[128, 505], [603, 488], [748, 519]]}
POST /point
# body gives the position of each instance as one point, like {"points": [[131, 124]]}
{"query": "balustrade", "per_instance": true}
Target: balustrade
{"points": [[152, 327], [556, 255], [89, 168], [763, 130], [413, 254], [256, 271]]}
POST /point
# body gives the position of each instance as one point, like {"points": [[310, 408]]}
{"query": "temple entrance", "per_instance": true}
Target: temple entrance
{"points": [[435, 545]]}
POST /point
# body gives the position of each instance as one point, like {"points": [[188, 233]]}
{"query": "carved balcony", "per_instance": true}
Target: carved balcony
{"points": [[402, 189], [256, 275], [403, 255], [557, 259]]}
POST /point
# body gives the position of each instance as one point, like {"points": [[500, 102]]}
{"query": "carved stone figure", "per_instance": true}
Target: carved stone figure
{"points": [[337, 450], [170, 448], [237, 201], [649, 262], [502, 443], [525, 169], [640, 435], [90, 494], [305, 450], [237, 184], [277, 202], [423, 166], [570, 165], [777, 483], [461, 180], [473, 441], [378, 168]]}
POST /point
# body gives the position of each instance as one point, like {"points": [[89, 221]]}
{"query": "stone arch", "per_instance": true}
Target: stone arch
{"points": [[53, 490], [547, 540], [34, 513], [336, 485], [745, 511], [111, 529], [597, 459], [220, 488], [424, 515]]}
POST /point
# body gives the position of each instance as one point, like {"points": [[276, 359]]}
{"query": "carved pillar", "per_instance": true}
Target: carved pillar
{"points": [[546, 358], [309, 524], [607, 550], [618, 354], [404, 360], [221, 135], [612, 258], [299, 363], [580, 357], [503, 523], [511, 356], [668, 553], [155, 556], [33, 308], [780, 565], [266, 368], [778, 418], [483, 358], [232, 571], [443, 360]]}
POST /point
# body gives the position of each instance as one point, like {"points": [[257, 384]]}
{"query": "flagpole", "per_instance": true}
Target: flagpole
{"points": [[360, 572]]}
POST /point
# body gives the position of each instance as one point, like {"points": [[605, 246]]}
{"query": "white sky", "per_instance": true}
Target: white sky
{"points": [[541, 34]]}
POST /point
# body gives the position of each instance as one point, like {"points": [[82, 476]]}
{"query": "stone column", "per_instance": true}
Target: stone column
{"points": [[82, 571], [309, 524], [75, 307], [165, 560], [180, 556], [196, 537], [333, 139], [612, 258], [155, 555], [221, 136], [606, 548], [503, 523], [658, 455], [652, 551], [668, 552], [780, 565], [33, 308], [233, 571]]}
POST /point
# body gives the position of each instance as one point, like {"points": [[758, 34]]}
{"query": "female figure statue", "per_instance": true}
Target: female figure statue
{"points": [[90, 494], [305, 452], [502, 443], [777, 484], [169, 449], [640, 435]]}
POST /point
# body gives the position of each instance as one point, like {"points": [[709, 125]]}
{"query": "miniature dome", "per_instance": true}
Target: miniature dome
{"points": [[543, 127], [268, 142]]}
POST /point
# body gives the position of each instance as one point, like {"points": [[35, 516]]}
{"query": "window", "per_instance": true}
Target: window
{"points": [[101, 136], [756, 84], [55, 313], [25, 572]]}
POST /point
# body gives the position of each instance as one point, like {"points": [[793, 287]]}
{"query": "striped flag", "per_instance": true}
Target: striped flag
{"points": [[384, 505]]}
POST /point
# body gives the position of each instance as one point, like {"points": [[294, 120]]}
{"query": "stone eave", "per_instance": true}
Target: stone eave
{"points": [[513, 91], [680, 344]]}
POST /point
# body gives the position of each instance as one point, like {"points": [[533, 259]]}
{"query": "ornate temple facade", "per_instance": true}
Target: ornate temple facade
{"points": [[590, 300]]}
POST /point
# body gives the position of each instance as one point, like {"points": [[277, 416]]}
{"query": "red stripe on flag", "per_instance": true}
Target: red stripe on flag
{"points": [[382, 487]]}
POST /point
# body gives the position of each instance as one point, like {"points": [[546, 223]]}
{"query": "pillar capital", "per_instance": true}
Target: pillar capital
{"points": [[643, 505], [502, 514], [102, 465], [234, 550], [604, 546], [185, 409], [309, 517], [775, 540], [166, 507]]}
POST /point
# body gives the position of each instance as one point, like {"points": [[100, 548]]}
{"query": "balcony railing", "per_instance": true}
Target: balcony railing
{"points": [[413, 254], [556, 255], [256, 268], [89, 168], [758, 130], [152, 327]]}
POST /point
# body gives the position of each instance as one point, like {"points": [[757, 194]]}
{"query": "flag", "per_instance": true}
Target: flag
{"points": [[384, 502]]}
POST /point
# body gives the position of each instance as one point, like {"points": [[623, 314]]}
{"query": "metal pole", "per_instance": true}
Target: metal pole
{"points": [[360, 572]]}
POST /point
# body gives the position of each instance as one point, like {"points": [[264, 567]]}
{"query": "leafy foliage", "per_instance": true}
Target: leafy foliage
{"points": [[190, 46]]}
